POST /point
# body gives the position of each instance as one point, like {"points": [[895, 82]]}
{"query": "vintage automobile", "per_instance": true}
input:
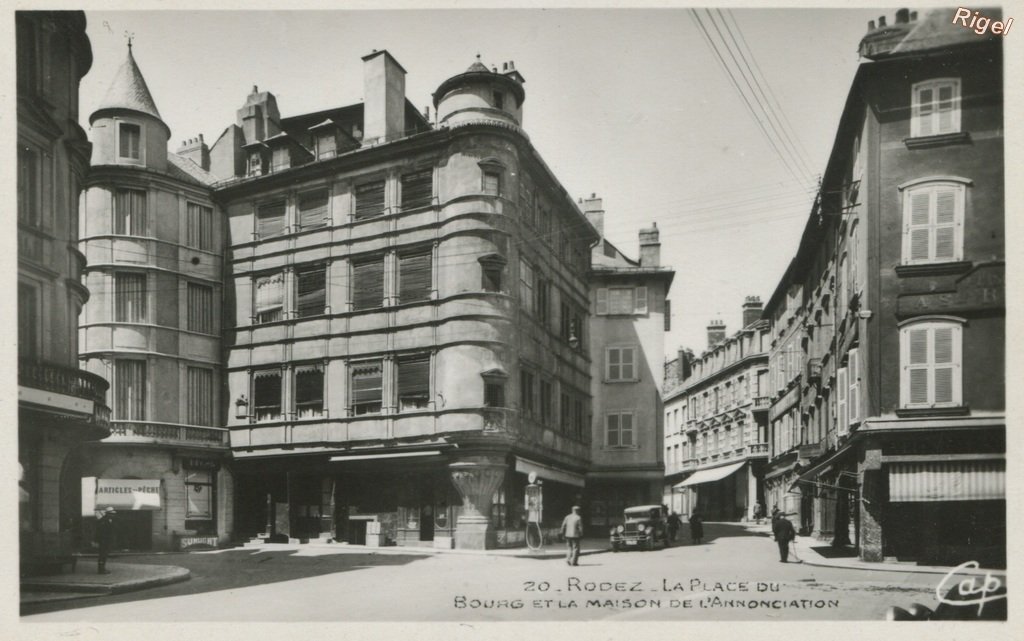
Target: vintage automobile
{"points": [[969, 600], [644, 526]]}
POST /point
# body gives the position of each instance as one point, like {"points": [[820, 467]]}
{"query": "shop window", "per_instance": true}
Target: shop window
{"points": [[368, 284], [414, 276], [367, 388], [270, 219], [130, 297], [936, 107], [413, 382], [619, 429], [309, 391], [313, 209], [266, 395], [199, 227], [199, 396], [199, 501], [129, 390], [130, 212], [369, 200], [269, 298], [417, 189], [311, 290]]}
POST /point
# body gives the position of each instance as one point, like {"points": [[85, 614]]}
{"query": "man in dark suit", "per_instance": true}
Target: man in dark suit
{"points": [[104, 538], [784, 533]]}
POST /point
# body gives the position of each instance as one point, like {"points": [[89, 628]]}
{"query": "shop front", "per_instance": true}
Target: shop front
{"points": [[723, 493]]}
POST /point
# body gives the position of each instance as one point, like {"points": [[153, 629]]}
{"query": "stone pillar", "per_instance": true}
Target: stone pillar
{"points": [[476, 478], [873, 495]]}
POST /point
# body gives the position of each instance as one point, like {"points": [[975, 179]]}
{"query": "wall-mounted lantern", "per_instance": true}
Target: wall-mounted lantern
{"points": [[242, 408]]}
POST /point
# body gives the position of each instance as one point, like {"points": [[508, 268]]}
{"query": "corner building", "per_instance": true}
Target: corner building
{"points": [[409, 330]]}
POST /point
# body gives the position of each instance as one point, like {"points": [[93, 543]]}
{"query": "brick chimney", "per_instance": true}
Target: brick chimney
{"points": [[752, 307], [593, 209], [383, 97], [197, 151], [716, 333], [650, 247], [259, 117]]}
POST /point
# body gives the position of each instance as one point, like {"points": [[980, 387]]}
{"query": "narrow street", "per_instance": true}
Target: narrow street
{"points": [[717, 580]]}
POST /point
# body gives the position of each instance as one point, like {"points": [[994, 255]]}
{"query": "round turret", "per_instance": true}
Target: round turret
{"points": [[480, 95]]}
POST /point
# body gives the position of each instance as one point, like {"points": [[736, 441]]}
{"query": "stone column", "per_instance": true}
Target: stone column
{"points": [[476, 478], [873, 494]]}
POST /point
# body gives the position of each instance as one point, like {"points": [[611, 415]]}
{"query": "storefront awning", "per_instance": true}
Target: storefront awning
{"points": [[813, 472], [707, 476], [549, 473], [947, 481]]}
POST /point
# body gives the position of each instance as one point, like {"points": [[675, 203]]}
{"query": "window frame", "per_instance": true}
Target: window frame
{"points": [[256, 408], [206, 319], [139, 313], [425, 174], [257, 313], [364, 187], [258, 225], [210, 484], [917, 119], [196, 404], [141, 141], [423, 357], [307, 195], [355, 408], [313, 412], [620, 350], [619, 444], [930, 324], [199, 229], [131, 223], [357, 304], [421, 294], [932, 186], [307, 270], [141, 402]]}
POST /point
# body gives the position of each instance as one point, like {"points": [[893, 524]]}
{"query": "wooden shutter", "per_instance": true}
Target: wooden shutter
{"points": [[311, 290], [842, 389], [368, 284], [602, 301], [918, 228], [943, 364], [199, 397], [369, 200], [414, 377], [313, 209], [130, 390], [414, 277], [366, 382], [925, 112], [853, 371], [640, 301], [270, 219], [945, 109], [945, 223], [917, 366], [200, 308], [417, 189]]}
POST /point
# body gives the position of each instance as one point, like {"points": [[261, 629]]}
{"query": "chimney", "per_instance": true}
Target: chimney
{"points": [[902, 16], [684, 365], [383, 97], [716, 333], [881, 21], [913, 16], [593, 209], [752, 308], [650, 247], [871, 25], [197, 151], [259, 118]]}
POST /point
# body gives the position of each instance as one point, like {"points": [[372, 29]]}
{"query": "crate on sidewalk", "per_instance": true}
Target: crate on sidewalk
{"points": [[375, 538]]}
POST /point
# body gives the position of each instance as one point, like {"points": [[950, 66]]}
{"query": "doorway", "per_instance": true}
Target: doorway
{"points": [[133, 530]]}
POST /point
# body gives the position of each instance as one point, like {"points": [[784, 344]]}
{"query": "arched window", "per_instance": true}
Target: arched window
{"points": [[931, 362]]}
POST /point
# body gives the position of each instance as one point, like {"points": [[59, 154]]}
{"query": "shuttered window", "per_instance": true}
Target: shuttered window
{"points": [[368, 284], [417, 189], [565, 412], [492, 183], [199, 227], [620, 364], [853, 400], [130, 390], [200, 308], [266, 395], [930, 358], [28, 321], [28, 186], [369, 200], [526, 392], [270, 219], [842, 408], [130, 297], [309, 391], [311, 290], [546, 399], [525, 286], [413, 382], [199, 396], [129, 138], [366, 388], [130, 212], [269, 299], [414, 276], [619, 429], [933, 223], [313, 209], [936, 107]]}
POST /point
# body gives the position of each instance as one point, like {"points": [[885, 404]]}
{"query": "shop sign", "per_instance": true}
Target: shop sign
{"points": [[128, 494], [981, 288], [207, 464], [196, 542]]}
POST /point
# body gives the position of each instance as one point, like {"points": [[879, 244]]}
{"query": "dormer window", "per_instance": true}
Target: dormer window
{"points": [[129, 141], [326, 146], [255, 164]]}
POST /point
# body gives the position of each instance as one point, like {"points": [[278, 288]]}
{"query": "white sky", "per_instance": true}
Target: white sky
{"points": [[630, 104]]}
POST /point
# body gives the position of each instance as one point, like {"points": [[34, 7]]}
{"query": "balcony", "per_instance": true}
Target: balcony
{"points": [[74, 395], [690, 463], [762, 403], [148, 432], [691, 427], [757, 449]]}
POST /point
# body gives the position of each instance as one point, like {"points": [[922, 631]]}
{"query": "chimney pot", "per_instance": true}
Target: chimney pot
{"points": [[902, 16], [871, 25], [881, 21], [913, 16]]}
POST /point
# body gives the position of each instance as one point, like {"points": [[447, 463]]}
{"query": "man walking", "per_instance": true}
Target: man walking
{"points": [[572, 530], [696, 526], [104, 538], [784, 533]]}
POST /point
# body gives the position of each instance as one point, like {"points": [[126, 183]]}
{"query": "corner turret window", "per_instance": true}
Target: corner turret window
{"points": [[499, 100], [130, 212], [492, 173], [129, 141], [491, 268]]}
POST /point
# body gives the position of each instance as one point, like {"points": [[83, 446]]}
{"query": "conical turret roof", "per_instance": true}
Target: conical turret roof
{"points": [[129, 90]]}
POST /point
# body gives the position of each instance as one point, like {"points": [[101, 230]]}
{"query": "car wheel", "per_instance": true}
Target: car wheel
{"points": [[650, 544], [616, 547]]}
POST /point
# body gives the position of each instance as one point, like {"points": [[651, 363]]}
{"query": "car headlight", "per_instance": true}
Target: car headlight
{"points": [[642, 528], [621, 529], [614, 530]]}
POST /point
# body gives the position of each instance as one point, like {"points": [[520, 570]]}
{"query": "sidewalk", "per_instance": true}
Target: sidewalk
{"points": [[554, 550], [123, 577]]}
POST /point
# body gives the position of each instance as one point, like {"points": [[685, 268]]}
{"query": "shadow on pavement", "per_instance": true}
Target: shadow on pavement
{"points": [[715, 530], [830, 552]]}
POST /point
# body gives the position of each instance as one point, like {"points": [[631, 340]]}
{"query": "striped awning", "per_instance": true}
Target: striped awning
{"points": [[947, 481]]}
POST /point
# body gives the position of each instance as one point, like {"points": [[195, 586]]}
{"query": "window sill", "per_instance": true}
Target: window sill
{"points": [[933, 269], [913, 412], [618, 381], [940, 140], [621, 448]]}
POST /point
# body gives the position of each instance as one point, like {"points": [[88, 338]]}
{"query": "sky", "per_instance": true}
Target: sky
{"points": [[628, 104]]}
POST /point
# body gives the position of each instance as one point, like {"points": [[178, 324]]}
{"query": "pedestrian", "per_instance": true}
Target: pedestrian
{"points": [[104, 538], [758, 512], [674, 523], [572, 530], [696, 526], [784, 533]]}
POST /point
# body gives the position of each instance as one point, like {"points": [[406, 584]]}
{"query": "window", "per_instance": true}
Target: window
{"points": [[417, 189], [199, 227], [491, 182], [27, 56], [525, 286], [129, 141], [620, 364], [936, 107], [668, 315], [313, 209], [526, 392], [499, 510], [28, 186], [494, 392], [565, 412], [309, 391], [280, 159], [546, 413], [199, 396], [28, 321], [326, 146], [413, 382], [198, 494], [367, 388], [368, 284], [499, 100], [414, 276], [255, 163], [842, 408], [491, 268], [619, 429], [577, 418], [542, 297], [621, 300], [565, 319], [933, 216], [130, 297], [269, 298], [270, 219], [266, 395], [853, 398], [311, 290], [129, 390], [930, 359], [130, 212], [200, 308], [369, 200]]}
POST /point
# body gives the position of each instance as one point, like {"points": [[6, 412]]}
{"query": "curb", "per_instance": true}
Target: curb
{"points": [[424, 551], [177, 576]]}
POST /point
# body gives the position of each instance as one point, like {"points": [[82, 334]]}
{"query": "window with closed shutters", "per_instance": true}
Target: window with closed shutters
{"points": [[936, 107], [368, 284], [266, 395], [930, 359], [367, 388], [200, 308], [199, 227], [414, 277], [309, 391], [842, 409], [853, 399], [546, 413], [369, 200], [413, 382], [199, 396], [933, 223], [313, 209], [311, 290], [270, 219], [269, 298], [492, 183], [129, 390], [130, 212], [130, 304], [526, 286], [417, 189]]}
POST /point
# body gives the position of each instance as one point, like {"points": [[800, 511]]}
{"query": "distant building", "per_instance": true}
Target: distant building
{"points": [[59, 405], [630, 317], [154, 241], [888, 328], [716, 422]]}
